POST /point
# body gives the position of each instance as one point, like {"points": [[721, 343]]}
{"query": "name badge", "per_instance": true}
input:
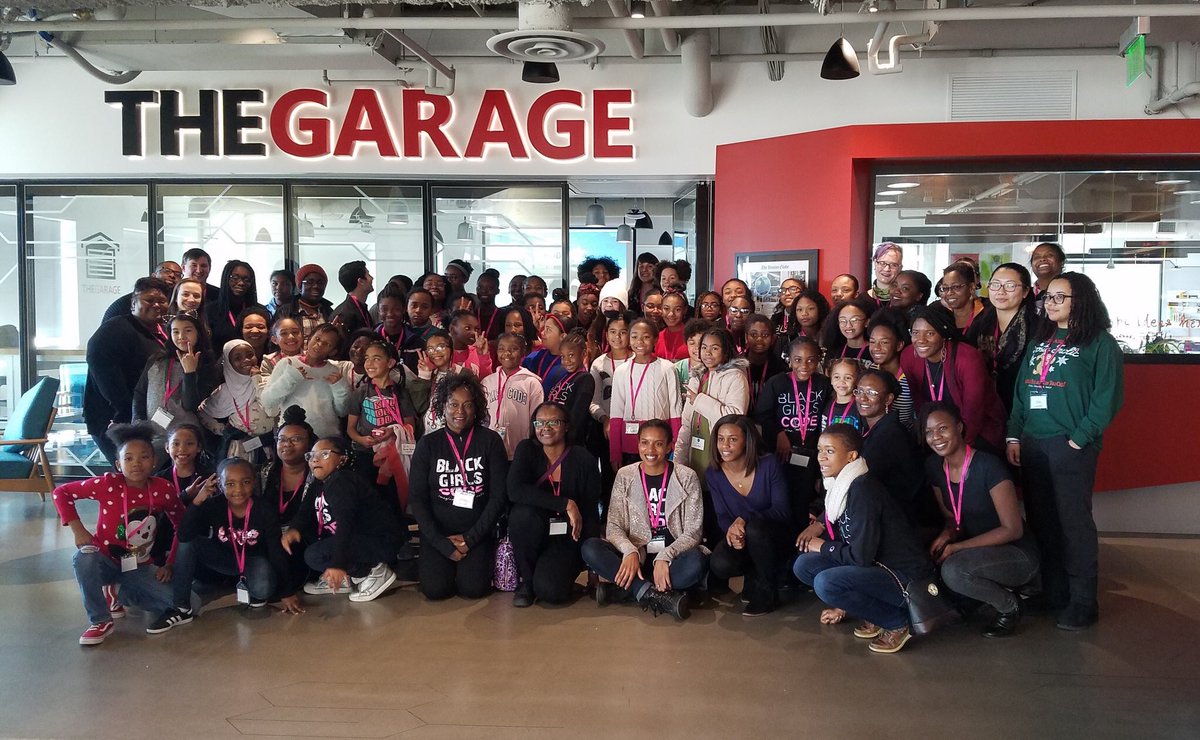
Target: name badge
{"points": [[697, 443], [128, 563], [162, 418], [1038, 401], [799, 459], [558, 527], [464, 499], [408, 449], [243, 592], [252, 444], [502, 431], [631, 427], [656, 545]]}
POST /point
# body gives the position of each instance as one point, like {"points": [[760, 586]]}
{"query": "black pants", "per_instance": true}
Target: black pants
{"points": [[549, 563], [1058, 482], [365, 554], [103, 443], [802, 491], [442, 577], [769, 544]]}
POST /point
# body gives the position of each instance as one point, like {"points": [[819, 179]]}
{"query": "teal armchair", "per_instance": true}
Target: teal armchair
{"points": [[23, 464]]}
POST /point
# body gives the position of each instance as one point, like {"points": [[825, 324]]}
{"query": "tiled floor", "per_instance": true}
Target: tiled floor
{"points": [[401, 666]]}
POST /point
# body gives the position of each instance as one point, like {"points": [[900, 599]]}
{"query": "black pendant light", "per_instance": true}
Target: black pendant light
{"points": [[841, 63], [7, 75], [542, 73]]}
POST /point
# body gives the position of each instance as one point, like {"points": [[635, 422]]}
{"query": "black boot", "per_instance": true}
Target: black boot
{"points": [[523, 596], [1005, 623], [666, 602]]}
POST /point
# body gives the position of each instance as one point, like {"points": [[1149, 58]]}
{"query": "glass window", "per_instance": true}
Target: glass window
{"points": [[87, 245], [230, 222], [10, 304], [516, 230], [1134, 233], [382, 225]]}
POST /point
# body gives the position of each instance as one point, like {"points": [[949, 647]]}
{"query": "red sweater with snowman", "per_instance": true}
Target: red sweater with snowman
{"points": [[123, 511]]}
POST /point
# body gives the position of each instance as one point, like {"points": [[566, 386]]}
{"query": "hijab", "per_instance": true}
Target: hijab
{"points": [[238, 390]]}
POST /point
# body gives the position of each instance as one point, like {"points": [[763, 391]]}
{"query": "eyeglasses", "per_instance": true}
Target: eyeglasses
{"points": [[173, 273], [1057, 298], [738, 311], [710, 304], [1008, 286], [850, 320], [866, 393], [296, 440], [546, 423], [241, 279], [437, 348], [789, 290], [319, 455], [955, 288], [885, 265]]}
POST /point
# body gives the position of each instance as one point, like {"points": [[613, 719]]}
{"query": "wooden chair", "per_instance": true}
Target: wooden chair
{"points": [[24, 467]]}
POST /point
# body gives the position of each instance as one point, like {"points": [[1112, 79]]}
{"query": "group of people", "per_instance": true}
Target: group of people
{"points": [[662, 446]]}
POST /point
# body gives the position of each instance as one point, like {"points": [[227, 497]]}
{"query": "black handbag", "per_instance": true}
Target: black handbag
{"points": [[928, 606]]}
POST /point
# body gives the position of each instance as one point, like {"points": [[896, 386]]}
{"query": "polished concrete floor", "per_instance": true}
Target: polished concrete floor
{"points": [[404, 667]]}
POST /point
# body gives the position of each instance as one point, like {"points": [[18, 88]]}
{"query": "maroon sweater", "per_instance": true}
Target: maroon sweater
{"points": [[968, 384]]}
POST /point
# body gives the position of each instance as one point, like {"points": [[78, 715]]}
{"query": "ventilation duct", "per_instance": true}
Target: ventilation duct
{"points": [[544, 35], [696, 59]]}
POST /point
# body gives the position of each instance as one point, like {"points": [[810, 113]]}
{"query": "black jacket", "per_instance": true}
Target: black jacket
{"points": [[262, 535], [116, 356], [580, 483], [576, 395], [351, 509], [222, 327], [873, 530], [435, 474], [893, 459]]}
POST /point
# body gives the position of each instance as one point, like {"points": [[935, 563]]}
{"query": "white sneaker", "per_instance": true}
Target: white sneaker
{"points": [[320, 586], [375, 583]]}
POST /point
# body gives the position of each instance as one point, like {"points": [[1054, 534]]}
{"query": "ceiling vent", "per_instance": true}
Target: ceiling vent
{"points": [[1026, 96], [544, 35]]}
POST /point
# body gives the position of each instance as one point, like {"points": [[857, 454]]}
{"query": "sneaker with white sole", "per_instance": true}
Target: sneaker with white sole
{"points": [[170, 619], [374, 584], [115, 608], [321, 586], [95, 634]]}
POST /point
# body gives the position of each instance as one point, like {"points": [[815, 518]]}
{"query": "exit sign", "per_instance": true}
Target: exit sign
{"points": [[1135, 59]]}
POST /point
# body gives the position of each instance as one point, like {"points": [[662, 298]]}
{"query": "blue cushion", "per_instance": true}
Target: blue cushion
{"points": [[14, 466], [28, 419]]}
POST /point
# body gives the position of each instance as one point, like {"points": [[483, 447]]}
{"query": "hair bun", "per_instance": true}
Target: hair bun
{"points": [[294, 415]]}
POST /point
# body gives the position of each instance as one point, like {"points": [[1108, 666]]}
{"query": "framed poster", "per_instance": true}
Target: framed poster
{"points": [[765, 271]]}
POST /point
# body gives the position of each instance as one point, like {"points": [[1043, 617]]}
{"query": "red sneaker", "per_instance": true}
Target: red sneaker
{"points": [[115, 608], [95, 634]]}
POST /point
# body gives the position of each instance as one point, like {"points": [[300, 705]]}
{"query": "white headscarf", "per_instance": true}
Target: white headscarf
{"points": [[837, 490], [237, 391]]}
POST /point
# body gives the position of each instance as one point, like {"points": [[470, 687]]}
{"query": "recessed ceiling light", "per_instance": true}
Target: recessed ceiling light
{"points": [[1187, 192], [891, 192], [1172, 182], [885, 202], [904, 185]]}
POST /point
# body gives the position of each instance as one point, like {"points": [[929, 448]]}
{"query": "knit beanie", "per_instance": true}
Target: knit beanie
{"points": [[615, 289], [310, 269]]}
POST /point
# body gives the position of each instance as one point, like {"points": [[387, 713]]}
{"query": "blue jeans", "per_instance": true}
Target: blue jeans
{"points": [[868, 593], [217, 556], [605, 559], [95, 570]]}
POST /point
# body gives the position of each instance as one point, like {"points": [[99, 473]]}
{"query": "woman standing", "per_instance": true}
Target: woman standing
{"points": [[1005, 326], [737, 310], [1070, 388], [957, 289], [983, 549], [236, 293], [643, 281], [889, 261], [1047, 262], [457, 490], [555, 494], [750, 498]]}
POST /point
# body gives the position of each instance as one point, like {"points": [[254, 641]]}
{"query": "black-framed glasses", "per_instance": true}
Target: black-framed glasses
{"points": [[738, 311], [546, 423], [1057, 298], [240, 279], [885, 265], [955, 288], [790, 289]]}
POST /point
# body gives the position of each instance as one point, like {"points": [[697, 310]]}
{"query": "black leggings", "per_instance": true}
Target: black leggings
{"points": [[769, 543], [442, 577], [549, 563]]}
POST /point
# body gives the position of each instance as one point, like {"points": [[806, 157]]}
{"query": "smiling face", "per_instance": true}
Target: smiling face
{"points": [[291, 443], [183, 447], [872, 397], [735, 316], [1045, 263], [712, 354], [588, 307], [535, 306], [653, 446], [842, 289], [486, 289], [883, 345], [652, 308], [313, 287], [600, 272], [905, 292], [731, 444], [641, 340], [255, 330], [508, 351], [668, 278], [191, 294], [550, 425], [535, 285], [1059, 313], [324, 459], [197, 268], [645, 271], [610, 304], [732, 289], [437, 349], [149, 306], [572, 357], [843, 376], [289, 336], [889, 264], [169, 272], [436, 285], [832, 455], [514, 323], [852, 323], [788, 290], [927, 343], [693, 346], [804, 361], [957, 290], [515, 287], [617, 333], [184, 335], [460, 411], [358, 352], [943, 435], [673, 309], [391, 314], [237, 481], [135, 460], [242, 359], [377, 364]]}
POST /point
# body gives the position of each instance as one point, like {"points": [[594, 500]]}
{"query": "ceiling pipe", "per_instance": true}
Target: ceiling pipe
{"points": [[435, 65], [634, 41], [893, 64], [670, 36], [111, 78], [623, 22], [1190, 90], [696, 60]]}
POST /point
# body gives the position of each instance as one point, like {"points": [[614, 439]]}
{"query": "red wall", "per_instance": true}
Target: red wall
{"points": [[813, 191]]}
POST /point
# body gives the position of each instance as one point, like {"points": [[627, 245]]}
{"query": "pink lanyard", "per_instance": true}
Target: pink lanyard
{"points": [[936, 395], [390, 405], [366, 315], [829, 528], [555, 485], [658, 514], [244, 416], [542, 369], [488, 329], [239, 556], [845, 413], [232, 321], [803, 419], [283, 505], [162, 336], [858, 353], [756, 389], [170, 389], [957, 507], [501, 385], [1048, 361], [462, 465], [557, 392], [398, 344], [633, 393], [175, 477]]}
